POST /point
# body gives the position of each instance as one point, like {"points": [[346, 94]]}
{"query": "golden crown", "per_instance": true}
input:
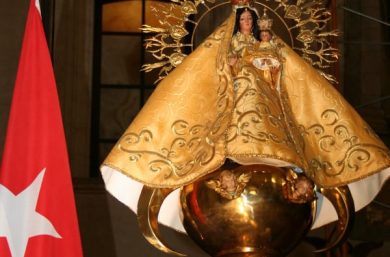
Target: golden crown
{"points": [[242, 3], [265, 23]]}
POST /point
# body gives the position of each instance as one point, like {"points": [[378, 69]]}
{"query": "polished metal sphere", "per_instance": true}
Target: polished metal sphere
{"points": [[248, 216]]}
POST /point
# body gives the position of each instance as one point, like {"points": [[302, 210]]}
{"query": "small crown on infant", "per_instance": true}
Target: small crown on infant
{"points": [[265, 23]]}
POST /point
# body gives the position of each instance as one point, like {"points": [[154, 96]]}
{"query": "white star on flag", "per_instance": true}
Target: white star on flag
{"points": [[19, 219], [35, 203]]}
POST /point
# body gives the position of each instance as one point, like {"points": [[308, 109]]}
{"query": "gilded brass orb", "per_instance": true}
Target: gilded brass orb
{"points": [[244, 215]]}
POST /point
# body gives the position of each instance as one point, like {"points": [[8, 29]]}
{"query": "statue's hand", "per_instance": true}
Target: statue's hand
{"points": [[232, 60]]}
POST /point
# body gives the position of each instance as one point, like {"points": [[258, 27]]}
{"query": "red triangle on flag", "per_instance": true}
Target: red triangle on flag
{"points": [[37, 210]]}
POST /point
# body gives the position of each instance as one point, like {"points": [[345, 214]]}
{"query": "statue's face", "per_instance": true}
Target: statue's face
{"points": [[246, 22], [228, 181], [265, 36]]}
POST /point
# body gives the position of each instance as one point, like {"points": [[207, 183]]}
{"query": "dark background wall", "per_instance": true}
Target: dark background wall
{"points": [[107, 227]]}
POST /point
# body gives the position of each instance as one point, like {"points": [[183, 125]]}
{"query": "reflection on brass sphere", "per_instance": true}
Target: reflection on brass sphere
{"points": [[258, 221]]}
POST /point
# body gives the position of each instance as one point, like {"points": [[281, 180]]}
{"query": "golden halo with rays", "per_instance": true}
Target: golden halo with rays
{"points": [[306, 23]]}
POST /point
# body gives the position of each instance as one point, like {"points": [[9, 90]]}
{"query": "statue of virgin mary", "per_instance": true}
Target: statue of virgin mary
{"points": [[245, 96]]}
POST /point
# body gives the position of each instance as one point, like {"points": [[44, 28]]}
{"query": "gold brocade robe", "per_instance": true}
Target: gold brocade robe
{"points": [[199, 115]]}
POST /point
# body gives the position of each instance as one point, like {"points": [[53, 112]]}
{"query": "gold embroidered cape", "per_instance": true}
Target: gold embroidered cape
{"points": [[199, 116]]}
